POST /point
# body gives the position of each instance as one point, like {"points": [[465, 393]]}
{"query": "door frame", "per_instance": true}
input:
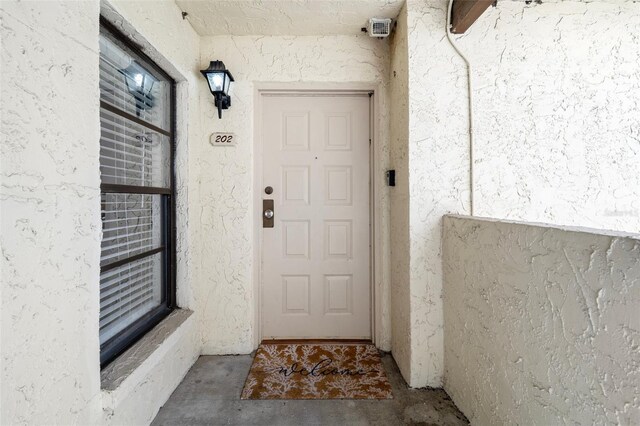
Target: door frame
{"points": [[375, 197]]}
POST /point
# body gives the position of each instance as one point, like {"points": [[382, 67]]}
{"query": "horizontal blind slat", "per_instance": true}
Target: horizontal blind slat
{"points": [[117, 299], [130, 154], [127, 288], [107, 283]]}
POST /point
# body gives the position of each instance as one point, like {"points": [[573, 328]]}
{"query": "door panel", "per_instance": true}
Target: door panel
{"points": [[315, 271]]}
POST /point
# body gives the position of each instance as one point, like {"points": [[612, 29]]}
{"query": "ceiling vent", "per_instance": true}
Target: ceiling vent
{"points": [[379, 27]]}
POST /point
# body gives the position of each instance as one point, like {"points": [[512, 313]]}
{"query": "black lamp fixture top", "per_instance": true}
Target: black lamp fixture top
{"points": [[219, 80]]}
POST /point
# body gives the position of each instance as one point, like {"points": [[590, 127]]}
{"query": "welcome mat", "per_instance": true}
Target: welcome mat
{"points": [[317, 371]]}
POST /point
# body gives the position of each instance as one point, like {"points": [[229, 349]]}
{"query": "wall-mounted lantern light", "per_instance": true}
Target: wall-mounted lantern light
{"points": [[139, 84], [219, 80]]}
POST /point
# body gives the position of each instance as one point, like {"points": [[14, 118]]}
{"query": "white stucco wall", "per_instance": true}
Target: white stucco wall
{"points": [[399, 196], [556, 101], [438, 168], [226, 187], [430, 155], [556, 89], [541, 323], [556, 133], [50, 206]]}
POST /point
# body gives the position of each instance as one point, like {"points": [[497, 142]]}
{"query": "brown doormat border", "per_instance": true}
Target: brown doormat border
{"points": [[315, 341], [335, 370]]}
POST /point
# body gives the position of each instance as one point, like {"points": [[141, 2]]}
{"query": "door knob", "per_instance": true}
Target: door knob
{"points": [[268, 214]]}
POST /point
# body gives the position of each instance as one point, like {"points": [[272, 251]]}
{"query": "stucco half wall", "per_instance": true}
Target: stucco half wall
{"points": [[541, 323]]}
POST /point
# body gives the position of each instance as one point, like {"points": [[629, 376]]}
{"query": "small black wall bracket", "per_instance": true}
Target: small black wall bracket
{"points": [[391, 177]]}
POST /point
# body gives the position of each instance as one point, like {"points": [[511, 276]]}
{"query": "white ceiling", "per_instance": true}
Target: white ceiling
{"points": [[285, 17]]}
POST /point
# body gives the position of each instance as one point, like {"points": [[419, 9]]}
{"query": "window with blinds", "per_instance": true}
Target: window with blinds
{"points": [[137, 278]]}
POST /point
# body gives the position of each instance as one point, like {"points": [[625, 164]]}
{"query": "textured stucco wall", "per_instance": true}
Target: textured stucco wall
{"points": [[429, 152], [541, 323], [399, 195], [226, 187], [557, 98], [50, 207], [556, 89], [437, 161]]}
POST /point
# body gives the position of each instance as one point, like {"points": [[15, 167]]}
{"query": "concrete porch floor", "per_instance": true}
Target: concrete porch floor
{"points": [[210, 395]]}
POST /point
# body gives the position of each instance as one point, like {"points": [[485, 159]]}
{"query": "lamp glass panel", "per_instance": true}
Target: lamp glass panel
{"points": [[227, 84], [216, 81], [147, 83]]}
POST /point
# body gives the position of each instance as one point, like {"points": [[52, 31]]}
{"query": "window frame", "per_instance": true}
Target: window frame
{"points": [[122, 341]]}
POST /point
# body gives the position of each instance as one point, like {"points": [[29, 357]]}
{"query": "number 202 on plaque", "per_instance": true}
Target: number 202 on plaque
{"points": [[223, 139]]}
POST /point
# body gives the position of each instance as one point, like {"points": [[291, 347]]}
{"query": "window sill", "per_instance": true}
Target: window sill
{"points": [[114, 374]]}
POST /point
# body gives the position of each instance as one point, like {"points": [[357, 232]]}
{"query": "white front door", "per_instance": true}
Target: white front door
{"points": [[315, 259]]}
